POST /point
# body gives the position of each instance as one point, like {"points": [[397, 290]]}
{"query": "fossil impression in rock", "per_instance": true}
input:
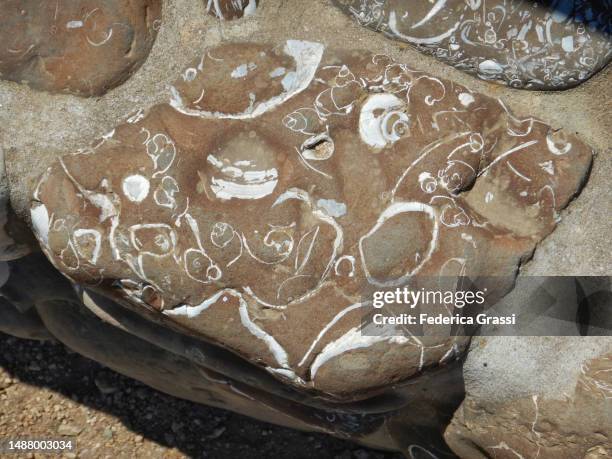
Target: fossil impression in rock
{"points": [[82, 47], [279, 184], [534, 45], [38, 302], [231, 9]]}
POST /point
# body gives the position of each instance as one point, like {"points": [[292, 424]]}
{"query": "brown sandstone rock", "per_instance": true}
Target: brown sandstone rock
{"points": [[279, 185], [83, 47], [573, 423], [192, 369], [533, 45], [231, 9]]}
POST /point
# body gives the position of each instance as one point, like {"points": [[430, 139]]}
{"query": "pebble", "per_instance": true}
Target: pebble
{"points": [[69, 430]]}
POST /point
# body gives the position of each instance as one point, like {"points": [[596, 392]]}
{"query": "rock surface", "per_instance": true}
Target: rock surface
{"points": [[552, 400], [136, 420], [238, 213], [532, 45], [58, 124], [231, 9], [83, 47], [198, 371], [25, 325]]}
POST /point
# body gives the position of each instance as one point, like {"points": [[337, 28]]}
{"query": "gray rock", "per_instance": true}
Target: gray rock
{"points": [[532, 45], [69, 429]]}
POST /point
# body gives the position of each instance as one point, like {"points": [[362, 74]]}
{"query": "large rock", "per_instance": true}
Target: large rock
{"points": [[409, 417], [231, 9], [534, 45], [83, 47], [551, 400], [258, 207]]}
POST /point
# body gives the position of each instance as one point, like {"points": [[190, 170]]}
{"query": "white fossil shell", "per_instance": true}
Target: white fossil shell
{"points": [[382, 120], [40, 222], [241, 181], [136, 188]]}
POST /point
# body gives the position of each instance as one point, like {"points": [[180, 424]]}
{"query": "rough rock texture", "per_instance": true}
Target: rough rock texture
{"points": [[553, 400], [59, 124], [83, 47], [231, 9], [534, 45], [210, 375], [199, 371], [238, 211], [37, 127]]}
